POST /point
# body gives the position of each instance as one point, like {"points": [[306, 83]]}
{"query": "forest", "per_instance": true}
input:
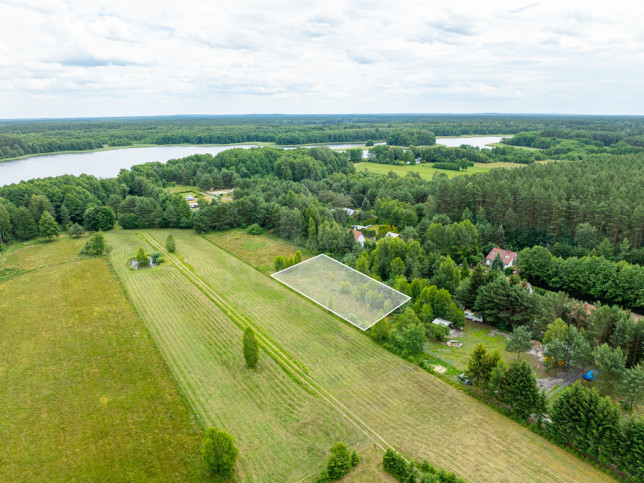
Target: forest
{"points": [[20, 138]]}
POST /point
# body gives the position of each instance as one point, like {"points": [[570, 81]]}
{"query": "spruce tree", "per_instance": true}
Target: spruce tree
{"points": [[497, 263], [632, 386], [251, 348], [476, 362], [519, 390]]}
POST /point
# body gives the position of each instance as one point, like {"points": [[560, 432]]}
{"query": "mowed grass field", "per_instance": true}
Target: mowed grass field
{"points": [[84, 393], [258, 250], [403, 406], [426, 171], [282, 429]]}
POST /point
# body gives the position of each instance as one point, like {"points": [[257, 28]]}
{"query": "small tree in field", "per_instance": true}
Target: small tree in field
{"points": [[519, 341], [170, 244], [339, 463], [251, 348], [47, 226], [95, 246], [218, 452], [76, 230], [142, 258]]}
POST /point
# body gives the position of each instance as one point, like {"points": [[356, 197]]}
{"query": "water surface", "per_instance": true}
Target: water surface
{"points": [[102, 164]]}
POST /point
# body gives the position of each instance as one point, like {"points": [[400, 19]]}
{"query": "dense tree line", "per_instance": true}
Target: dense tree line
{"points": [[463, 156], [18, 138], [588, 277]]}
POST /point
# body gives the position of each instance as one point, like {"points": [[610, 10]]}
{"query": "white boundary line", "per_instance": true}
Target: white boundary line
{"points": [[408, 298]]}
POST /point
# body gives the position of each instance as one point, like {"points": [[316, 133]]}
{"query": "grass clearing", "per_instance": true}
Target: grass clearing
{"points": [[419, 414], [85, 394], [282, 429], [258, 250], [427, 171], [473, 334]]}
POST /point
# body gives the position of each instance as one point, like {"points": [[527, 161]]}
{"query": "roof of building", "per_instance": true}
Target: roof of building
{"points": [[357, 234], [443, 322], [392, 234], [506, 255]]}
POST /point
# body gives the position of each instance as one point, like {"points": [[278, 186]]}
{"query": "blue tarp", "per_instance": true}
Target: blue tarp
{"points": [[590, 375]]}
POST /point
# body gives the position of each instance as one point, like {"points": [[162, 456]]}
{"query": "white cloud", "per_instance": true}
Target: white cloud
{"points": [[76, 58]]}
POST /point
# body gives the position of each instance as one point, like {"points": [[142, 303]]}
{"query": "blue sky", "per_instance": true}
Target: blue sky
{"points": [[80, 58]]}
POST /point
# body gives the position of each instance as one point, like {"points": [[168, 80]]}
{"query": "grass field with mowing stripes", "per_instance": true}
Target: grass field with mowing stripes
{"points": [[414, 411], [282, 426]]}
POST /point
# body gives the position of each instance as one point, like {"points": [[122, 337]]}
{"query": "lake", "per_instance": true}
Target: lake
{"points": [[107, 164], [102, 164]]}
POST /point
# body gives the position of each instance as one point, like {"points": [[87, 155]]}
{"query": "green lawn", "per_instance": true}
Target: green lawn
{"points": [[426, 171], [85, 393], [475, 333], [400, 404]]}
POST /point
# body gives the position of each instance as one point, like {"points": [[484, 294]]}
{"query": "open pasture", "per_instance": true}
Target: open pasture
{"points": [[427, 171], [258, 250], [85, 394], [402, 405]]}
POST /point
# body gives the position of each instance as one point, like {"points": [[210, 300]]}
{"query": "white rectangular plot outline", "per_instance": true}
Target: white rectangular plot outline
{"points": [[406, 297]]}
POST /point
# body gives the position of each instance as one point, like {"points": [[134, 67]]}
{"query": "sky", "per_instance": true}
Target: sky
{"points": [[137, 57]]}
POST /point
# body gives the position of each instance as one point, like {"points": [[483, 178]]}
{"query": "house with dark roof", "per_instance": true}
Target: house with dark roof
{"points": [[507, 257]]}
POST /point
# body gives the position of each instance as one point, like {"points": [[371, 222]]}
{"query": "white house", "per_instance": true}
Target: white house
{"points": [[190, 198], [391, 234], [358, 237], [349, 211], [507, 256], [194, 205]]}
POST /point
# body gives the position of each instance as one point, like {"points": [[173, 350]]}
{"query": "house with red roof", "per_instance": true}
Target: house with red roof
{"points": [[358, 236], [507, 256]]}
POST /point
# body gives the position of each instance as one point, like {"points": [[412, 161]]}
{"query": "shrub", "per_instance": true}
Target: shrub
{"points": [[76, 230], [251, 347], [395, 464], [355, 459], [254, 229], [218, 452], [170, 244], [142, 258], [339, 463], [95, 246]]}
